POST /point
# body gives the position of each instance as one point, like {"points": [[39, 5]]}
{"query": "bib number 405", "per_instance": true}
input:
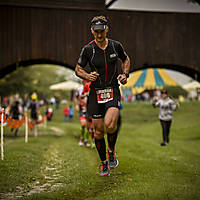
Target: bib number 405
{"points": [[104, 95]]}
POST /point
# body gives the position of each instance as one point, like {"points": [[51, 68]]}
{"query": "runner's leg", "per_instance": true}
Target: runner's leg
{"points": [[91, 132], [99, 138], [168, 130], [83, 125], [110, 119], [163, 124]]}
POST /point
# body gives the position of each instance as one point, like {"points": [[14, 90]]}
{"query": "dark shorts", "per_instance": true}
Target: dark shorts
{"points": [[34, 116], [89, 118], [82, 112], [97, 110]]}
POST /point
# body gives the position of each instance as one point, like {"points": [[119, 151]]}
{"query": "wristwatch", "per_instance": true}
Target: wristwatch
{"points": [[126, 74]]}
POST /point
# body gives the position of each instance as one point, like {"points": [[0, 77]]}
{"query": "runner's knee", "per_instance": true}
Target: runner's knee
{"points": [[83, 123], [111, 127], [111, 130], [110, 124], [98, 134]]}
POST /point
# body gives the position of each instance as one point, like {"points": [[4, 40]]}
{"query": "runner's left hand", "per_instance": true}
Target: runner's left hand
{"points": [[122, 78]]}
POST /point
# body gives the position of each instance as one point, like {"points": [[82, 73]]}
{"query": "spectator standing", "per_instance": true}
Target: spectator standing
{"points": [[15, 113], [49, 113], [66, 113], [167, 106], [34, 107], [71, 112]]}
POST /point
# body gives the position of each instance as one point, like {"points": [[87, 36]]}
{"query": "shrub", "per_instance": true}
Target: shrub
{"points": [[175, 91]]}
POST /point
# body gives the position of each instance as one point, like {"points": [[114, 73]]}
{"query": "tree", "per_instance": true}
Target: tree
{"points": [[176, 91], [194, 1], [35, 78]]}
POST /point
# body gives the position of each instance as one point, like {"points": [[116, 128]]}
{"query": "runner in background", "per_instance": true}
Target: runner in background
{"points": [[34, 107], [80, 106], [85, 92], [16, 114]]}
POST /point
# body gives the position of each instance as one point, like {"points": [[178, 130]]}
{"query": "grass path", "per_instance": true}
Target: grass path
{"points": [[53, 166]]}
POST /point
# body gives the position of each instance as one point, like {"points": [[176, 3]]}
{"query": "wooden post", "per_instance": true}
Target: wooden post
{"points": [[2, 150], [45, 122], [35, 129], [26, 127]]}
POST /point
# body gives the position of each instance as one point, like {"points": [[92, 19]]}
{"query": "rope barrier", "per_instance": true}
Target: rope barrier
{"points": [[6, 120], [2, 120]]}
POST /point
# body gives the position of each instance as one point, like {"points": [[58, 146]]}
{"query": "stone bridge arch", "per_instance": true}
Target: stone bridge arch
{"points": [[19, 64], [51, 30]]}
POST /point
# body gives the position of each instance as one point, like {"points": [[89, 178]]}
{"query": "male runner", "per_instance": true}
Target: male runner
{"points": [[85, 92], [80, 105], [102, 54]]}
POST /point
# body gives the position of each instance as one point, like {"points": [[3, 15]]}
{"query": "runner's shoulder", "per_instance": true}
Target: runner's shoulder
{"points": [[88, 47], [115, 42]]}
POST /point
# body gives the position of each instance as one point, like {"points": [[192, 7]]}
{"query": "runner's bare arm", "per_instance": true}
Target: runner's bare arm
{"points": [[125, 68], [80, 72], [126, 65]]}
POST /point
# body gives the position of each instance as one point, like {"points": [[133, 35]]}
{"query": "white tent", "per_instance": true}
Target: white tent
{"points": [[66, 85], [192, 85]]}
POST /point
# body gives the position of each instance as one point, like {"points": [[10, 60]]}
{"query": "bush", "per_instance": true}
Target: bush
{"points": [[175, 91]]}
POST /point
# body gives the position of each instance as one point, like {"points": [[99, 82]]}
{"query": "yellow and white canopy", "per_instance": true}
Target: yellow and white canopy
{"points": [[191, 85], [151, 78]]}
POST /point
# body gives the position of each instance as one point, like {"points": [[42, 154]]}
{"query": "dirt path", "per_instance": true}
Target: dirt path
{"points": [[50, 171]]}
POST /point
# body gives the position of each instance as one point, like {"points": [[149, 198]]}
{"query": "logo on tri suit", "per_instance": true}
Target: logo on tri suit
{"points": [[97, 116], [113, 55]]}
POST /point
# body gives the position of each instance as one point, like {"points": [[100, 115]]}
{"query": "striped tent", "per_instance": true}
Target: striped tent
{"points": [[151, 78]]}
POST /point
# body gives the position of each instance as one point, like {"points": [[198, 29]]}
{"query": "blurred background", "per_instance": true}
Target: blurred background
{"points": [[40, 43]]}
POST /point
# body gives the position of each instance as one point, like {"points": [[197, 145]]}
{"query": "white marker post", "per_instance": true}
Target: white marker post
{"points": [[45, 122], [35, 130], [2, 152], [26, 127]]}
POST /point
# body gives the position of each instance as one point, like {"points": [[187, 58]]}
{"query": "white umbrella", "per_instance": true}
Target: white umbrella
{"points": [[192, 85], [66, 85]]}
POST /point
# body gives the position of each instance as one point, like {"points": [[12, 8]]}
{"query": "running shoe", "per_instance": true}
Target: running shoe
{"points": [[112, 160], [104, 168], [87, 144], [93, 146], [167, 139], [81, 142]]}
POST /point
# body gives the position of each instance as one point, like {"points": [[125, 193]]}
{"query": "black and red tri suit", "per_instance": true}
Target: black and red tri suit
{"points": [[105, 63]]}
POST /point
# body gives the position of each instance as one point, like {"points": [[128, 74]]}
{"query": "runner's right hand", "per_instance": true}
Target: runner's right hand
{"points": [[93, 76]]}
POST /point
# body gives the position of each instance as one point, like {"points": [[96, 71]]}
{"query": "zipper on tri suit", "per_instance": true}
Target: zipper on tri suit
{"points": [[105, 66]]}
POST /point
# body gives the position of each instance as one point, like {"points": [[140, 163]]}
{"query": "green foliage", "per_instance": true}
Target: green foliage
{"points": [[175, 91], [36, 78], [194, 1]]}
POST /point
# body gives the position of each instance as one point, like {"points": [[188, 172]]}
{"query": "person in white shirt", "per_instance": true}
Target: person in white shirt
{"points": [[167, 106]]}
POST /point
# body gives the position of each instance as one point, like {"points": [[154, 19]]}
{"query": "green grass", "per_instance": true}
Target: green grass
{"points": [[53, 166]]}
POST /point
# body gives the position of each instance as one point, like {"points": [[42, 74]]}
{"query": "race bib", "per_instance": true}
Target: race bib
{"points": [[104, 95]]}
